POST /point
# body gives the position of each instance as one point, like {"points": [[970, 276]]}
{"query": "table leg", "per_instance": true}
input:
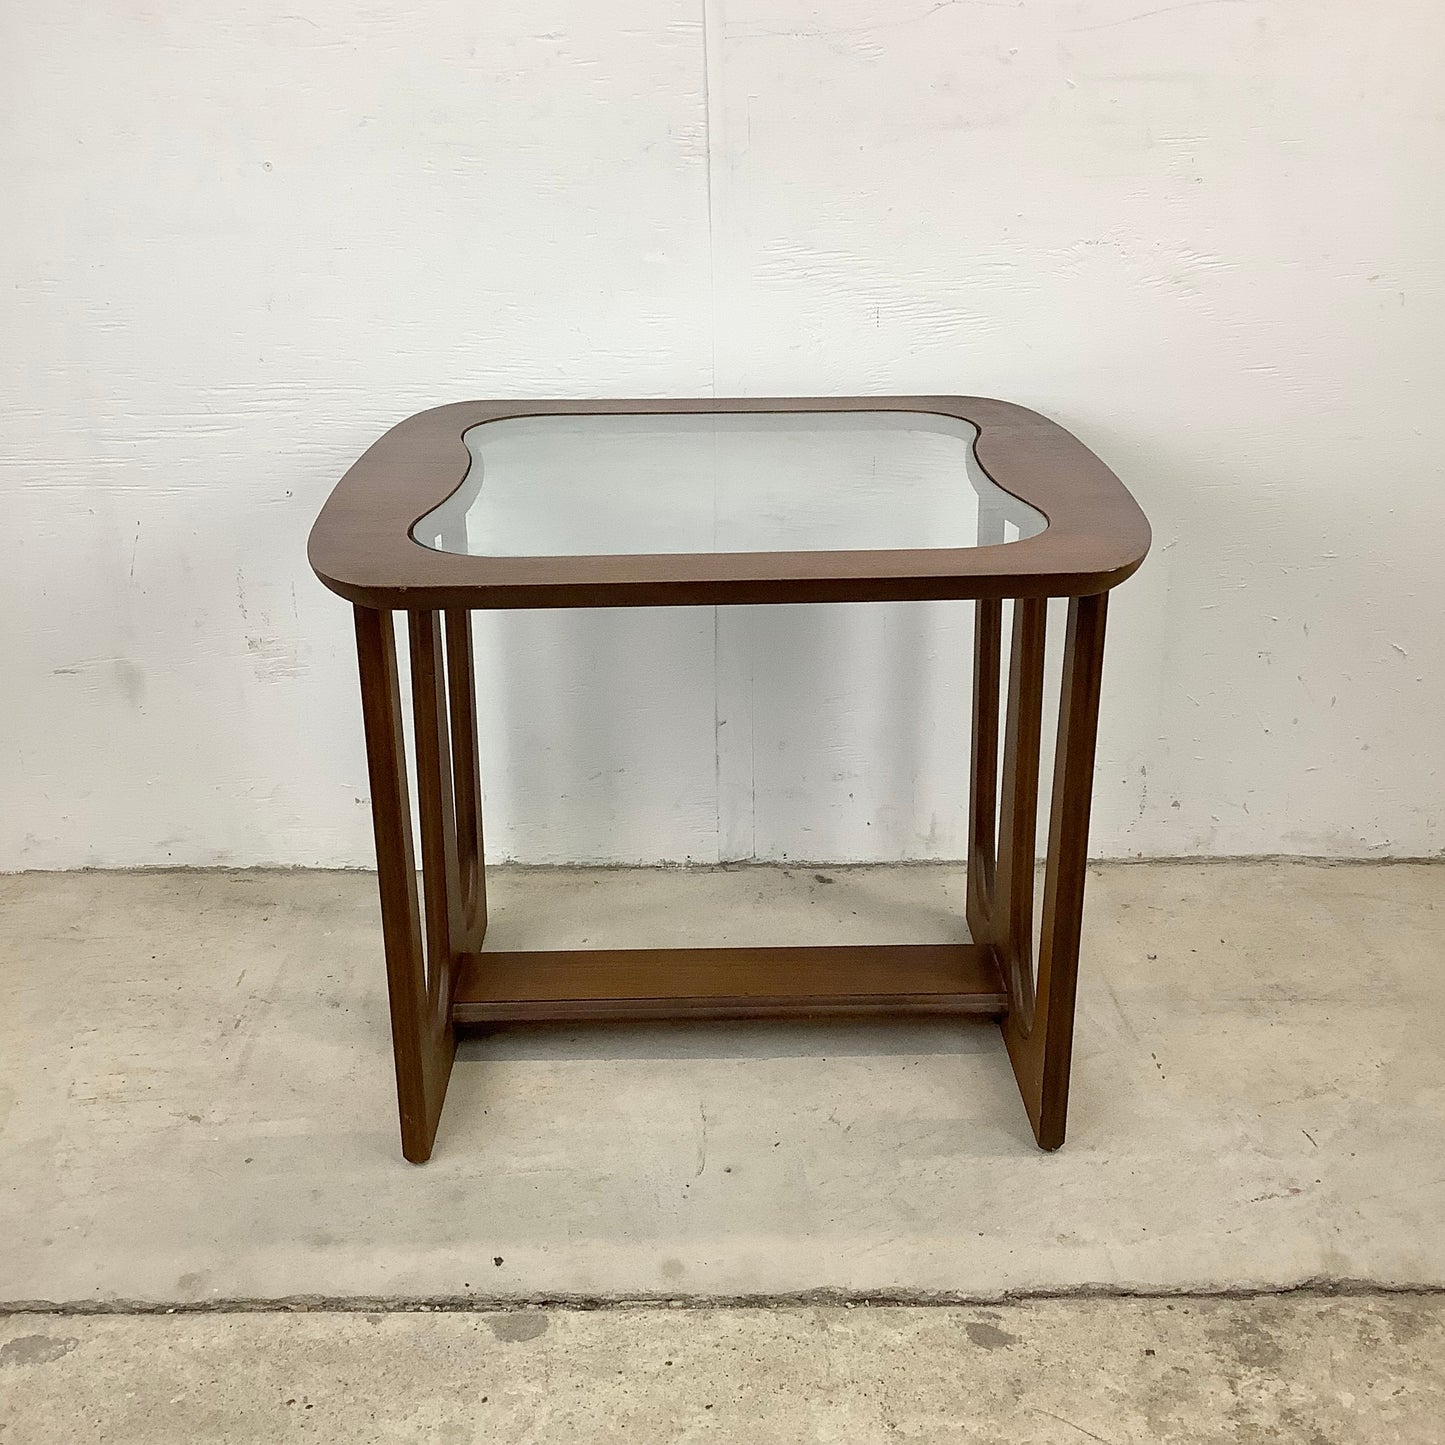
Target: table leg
{"points": [[1013, 922], [1002, 830], [461, 684], [421, 974], [1038, 1029], [983, 782]]}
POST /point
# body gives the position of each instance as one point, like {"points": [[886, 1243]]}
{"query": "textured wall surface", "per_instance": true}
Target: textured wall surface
{"points": [[242, 238]]}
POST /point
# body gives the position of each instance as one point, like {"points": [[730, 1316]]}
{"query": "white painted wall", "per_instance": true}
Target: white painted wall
{"points": [[242, 237]]}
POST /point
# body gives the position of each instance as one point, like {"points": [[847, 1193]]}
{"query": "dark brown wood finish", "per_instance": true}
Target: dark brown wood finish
{"points": [[362, 548], [421, 1022], [583, 984], [1040, 1039], [983, 776], [441, 879], [461, 688], [438, 977], [1011, 927]]}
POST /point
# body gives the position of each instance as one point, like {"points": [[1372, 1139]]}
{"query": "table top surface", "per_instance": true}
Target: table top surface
{"points": [[634, 503], [576, 486]]}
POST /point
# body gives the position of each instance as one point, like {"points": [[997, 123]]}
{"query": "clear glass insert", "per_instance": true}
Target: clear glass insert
{"points": [[557, 486]]}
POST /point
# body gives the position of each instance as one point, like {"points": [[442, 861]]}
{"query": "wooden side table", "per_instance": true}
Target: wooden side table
{"points": [[500, 504]]}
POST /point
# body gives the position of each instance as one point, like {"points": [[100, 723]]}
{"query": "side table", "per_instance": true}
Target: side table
{"points": [[537, 504]]}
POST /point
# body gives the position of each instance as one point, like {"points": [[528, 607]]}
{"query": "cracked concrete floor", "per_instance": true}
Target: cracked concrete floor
{"points": [[196, 1107]]}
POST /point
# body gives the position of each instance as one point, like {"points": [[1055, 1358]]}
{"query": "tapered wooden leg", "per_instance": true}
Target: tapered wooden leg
{"points": [[461, 684], [436, 803], [421, 1027], [1002, 831], [1012, 925], [1040, 1042], [983, 779]]}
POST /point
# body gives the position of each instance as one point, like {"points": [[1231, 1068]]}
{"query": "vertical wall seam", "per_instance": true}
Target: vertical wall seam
{"points": [[721, 846]]}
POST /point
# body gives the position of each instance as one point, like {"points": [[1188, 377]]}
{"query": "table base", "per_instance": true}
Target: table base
{"points": [[440, 980]]}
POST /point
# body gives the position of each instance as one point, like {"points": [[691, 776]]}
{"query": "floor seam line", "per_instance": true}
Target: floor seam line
{"points": [[847, 1299]]}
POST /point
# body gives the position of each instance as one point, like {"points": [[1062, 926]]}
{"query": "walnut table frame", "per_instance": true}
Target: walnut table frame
{"points": [[363, 547]]}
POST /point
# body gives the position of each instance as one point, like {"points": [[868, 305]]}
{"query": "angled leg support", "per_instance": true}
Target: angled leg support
{"points": [[424, 938], [1039, 1026]]}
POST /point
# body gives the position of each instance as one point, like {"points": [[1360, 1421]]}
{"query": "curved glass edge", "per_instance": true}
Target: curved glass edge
{"points": [[1002, 518]]}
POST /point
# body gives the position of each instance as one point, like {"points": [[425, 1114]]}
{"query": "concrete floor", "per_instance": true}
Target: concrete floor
{"points": [[196, 1110], [196, 1099], [1304, 1371]]}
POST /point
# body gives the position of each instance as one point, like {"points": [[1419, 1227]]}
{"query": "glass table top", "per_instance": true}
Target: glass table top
{"points": [[606, 485]]}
